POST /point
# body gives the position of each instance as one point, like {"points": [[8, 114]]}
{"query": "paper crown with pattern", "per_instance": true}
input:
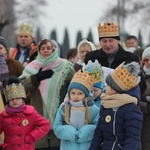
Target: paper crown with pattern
{"points": [[124, 77], [14, 91], [91, 73], [108, 30], [84, 78], [25, 29], [94, 68]]}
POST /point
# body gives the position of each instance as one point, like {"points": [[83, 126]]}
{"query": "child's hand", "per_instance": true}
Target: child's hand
{"points": [[29, 139]]}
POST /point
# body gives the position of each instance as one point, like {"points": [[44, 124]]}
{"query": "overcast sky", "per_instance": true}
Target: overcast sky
{"points": [[76, 15]]}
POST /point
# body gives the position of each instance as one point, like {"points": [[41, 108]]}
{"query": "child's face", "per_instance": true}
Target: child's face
{"points": [[109, 90], [16, 102], [76, 95], [96, 92]]}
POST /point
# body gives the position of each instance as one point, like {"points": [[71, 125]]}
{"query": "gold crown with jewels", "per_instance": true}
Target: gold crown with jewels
{"points": [[25, 29], [14, 91], [124, 78], [108, 29]]}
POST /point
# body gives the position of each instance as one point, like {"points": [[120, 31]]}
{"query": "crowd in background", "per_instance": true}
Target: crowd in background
{"points": [[73, 104]]}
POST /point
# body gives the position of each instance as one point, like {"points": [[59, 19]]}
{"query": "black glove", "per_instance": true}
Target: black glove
{"points": [[41, 75]]}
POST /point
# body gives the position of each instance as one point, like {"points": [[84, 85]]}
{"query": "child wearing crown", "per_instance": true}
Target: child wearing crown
{"points": [[77, 118], [120, 122], [21, 123], [97, 90]]}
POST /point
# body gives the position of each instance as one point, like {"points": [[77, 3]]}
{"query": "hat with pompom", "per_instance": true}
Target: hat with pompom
{"points": [[124, 77]]}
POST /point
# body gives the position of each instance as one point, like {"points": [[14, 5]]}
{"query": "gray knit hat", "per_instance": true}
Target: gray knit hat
{"points": [[146, 53], [124, 77], [4, 42]]}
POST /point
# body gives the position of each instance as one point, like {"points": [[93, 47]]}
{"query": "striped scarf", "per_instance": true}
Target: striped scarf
{"points": [[49, 88]]}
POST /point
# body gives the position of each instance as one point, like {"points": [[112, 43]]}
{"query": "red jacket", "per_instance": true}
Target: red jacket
{"points": [[18, 126]]}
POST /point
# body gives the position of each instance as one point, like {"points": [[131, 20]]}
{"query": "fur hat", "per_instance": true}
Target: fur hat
{"points": [[124, 77], [4, 42], [108, 30], [146, 53]]}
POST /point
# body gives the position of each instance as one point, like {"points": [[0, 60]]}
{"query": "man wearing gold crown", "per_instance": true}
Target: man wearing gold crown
{"points": [[112, 53], [24, 40]]}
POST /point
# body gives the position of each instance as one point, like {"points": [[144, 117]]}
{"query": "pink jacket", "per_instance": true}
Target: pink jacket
{"points": [[19, 126]]}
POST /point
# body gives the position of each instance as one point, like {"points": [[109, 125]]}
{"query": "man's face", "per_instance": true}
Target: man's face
{"points": [[109, 45], [132, 43], [24, 40]]}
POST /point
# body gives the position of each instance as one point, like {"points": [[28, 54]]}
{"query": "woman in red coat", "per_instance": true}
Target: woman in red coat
{"points": [[21, 123]]}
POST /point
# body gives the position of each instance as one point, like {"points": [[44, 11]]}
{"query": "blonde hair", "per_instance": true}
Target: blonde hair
{"points": [[66, 113]]}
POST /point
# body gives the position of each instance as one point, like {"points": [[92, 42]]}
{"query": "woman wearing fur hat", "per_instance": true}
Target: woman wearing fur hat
{"points": [[46, 79], [145, 101], [20, 129], [77, 118], [120, 123], [83, 48]]}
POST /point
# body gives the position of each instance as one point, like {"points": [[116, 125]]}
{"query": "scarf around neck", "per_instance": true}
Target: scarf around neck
{"points": [[117, 100], [49, 88], [146, 70], [12, 110]]}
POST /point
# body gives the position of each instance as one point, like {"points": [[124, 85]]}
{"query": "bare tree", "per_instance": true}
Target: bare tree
{"points": [[6, 19], [14, 12], [29, 10], [129, 9]]}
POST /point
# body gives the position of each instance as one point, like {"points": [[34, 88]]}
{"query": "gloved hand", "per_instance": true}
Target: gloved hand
{"points": [[41, 75]]}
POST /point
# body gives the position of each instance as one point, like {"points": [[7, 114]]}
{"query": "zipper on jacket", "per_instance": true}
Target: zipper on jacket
{"points": [[114, 122]]}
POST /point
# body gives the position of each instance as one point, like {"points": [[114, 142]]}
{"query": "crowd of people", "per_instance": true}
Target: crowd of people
{"points": [[96, 98]]}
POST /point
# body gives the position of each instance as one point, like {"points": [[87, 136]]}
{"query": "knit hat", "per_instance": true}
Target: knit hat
{"points": [[146, 53], [4, 42], [25, 29], [99, 85], [82, 81], [108, 30], [124, 77]]}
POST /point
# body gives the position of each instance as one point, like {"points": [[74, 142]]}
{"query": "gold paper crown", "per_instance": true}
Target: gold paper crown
{"points": [[14, 91], [108, 30], [124, 79], [25, 29], [84, 78], [94, 68]]}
